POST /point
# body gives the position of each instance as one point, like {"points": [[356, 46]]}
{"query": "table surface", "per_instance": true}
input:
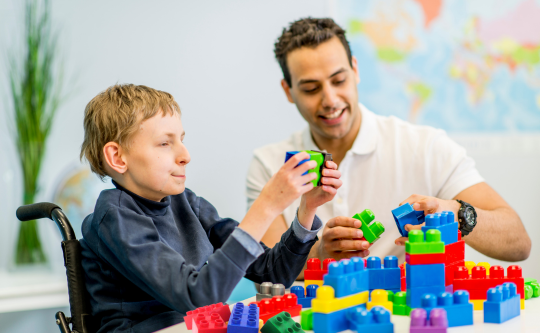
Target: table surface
{"points": [[528, 321]]}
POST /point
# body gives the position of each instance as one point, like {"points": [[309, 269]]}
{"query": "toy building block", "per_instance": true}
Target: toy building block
{"points": [[304, 299], [208, 323], [385, 277], [379, 297], [455, 252], [470, 265], [425, 259], [403, 278], [372, 230], [532, 288], [479, 282], [449, 271], [400, 304], [438, 322], [331, 322], [414, 295], [272, 306], [348, 277], [314, 272], [444, 222], [314, 155], [306, 319], [458, 308], [269, 290], [376, 320], [502, 304], [417, 245], [223, 310], [326, 302], [425, 275], [281, 323], [405, 214], [485, 265], [244, 319]]}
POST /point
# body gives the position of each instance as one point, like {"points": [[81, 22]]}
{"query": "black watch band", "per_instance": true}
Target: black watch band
{"points": [[466, 218]]}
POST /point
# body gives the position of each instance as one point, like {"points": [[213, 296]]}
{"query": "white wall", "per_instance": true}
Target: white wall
{"points": [[216, 58]]}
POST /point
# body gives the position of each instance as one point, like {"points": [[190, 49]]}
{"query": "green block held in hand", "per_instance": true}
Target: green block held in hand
{"points": [[318, 156], [373, 231]]}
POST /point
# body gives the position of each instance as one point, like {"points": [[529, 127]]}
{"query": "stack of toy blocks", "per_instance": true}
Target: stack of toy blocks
{"points": [[458, 309], [372, 230], [502, 304], [425, 266], [281, 323], [305, 299], [405, 214], [478, 283], [437, 322], [314, 273], [387, 277], [272, 306], [532, 288], [269, 290], [345, 287], [376, 320], [244, 319], [223, 310]]}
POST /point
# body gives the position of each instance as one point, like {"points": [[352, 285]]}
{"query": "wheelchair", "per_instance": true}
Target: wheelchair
{"points": [[79, 299]]}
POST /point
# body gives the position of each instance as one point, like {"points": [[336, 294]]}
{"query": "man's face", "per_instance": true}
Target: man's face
{"points": [[157, 158], [324, 88]]}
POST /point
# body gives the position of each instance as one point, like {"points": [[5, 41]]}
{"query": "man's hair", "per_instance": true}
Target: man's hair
{"points": [[115, 115], [308, 32]]}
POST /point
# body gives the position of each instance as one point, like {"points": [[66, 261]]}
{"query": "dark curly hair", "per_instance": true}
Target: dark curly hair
{"points": [[307, 32]]}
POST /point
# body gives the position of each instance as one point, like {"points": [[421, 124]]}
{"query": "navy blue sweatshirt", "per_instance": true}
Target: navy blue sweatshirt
{"points": [[147, 263]]}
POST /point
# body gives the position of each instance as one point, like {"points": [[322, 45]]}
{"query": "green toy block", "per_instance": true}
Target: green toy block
{"points": [[281, 323], [417, 245], [400, 307], [319, 158], [390, 295], [373, 231], [306, 319], [532, 288]]}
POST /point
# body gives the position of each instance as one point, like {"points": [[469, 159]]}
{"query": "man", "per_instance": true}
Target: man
{"points": [[383, 160]]}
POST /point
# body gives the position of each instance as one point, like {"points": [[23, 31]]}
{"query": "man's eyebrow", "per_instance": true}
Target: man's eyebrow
{"points": [[304, 81]]}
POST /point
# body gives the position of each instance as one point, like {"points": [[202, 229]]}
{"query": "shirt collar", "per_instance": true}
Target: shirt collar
{"points": [[149, 207], [365, 142]]}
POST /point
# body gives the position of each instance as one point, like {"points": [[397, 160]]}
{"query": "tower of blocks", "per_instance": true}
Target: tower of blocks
{"points": [[405, 214], [478, 283], [314, 155], [387, 277], [372, 230], [502, 304], [314, 273], [270, 307]]}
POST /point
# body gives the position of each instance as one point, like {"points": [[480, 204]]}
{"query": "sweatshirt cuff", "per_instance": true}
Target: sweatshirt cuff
{"points": [[301, 233], [248, 242]]}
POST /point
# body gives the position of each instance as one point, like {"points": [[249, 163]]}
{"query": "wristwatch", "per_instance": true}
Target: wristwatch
{"points": [[466, 218]]}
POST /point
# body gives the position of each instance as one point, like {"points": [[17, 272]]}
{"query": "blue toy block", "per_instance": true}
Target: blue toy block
{"points": [[424, 275], [305, 299], [404, 215], [444, 222], [244, 319], [414, 295], [387, 277], [290, 154], [375, 320], [347, 277], [332, 322], [458, 309], [502, 303]]}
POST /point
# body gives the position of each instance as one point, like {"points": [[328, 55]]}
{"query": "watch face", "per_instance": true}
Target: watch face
{"points": [[470, 217]]}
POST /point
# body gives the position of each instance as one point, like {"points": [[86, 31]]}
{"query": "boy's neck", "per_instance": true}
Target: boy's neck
{"points": [[122, 186]]}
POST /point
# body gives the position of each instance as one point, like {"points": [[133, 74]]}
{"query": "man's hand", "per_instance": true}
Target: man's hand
{"points": [[341, 239], [430, 205]]}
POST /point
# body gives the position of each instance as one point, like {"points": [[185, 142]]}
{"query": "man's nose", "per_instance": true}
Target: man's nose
{"points": [[329, 97]]}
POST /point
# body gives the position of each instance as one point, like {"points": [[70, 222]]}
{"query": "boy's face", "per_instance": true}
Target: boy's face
{"points": [[157, 158]]}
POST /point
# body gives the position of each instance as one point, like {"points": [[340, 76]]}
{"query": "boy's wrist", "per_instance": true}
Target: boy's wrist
{"points": [[306, 214]]}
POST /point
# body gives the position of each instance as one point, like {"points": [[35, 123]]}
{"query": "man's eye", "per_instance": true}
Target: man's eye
{"points": [[309, 91], [340, 82]]}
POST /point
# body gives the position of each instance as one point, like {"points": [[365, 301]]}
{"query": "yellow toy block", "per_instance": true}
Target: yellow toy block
{"points": [[522, 302], [326, 302], [470, 265], [485, 265], [308, 282], [478, 304], [379, 297], [261, 324]]}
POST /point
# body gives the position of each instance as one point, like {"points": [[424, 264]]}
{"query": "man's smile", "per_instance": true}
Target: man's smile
{"points": [[334, 117]]}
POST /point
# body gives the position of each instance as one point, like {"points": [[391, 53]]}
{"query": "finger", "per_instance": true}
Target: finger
{"points": [[307, 178], [401, 241], [429, 205], [412, 199], [331, 173], [331, 165], [410, 227], [304, 167], [343, 221], [329, 189], [295, 160], [343, 233], [336, 183], [349, 245], [306, 187]]}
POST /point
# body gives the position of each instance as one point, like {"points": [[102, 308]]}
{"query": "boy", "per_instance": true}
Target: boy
{"points": [[152, 250]]}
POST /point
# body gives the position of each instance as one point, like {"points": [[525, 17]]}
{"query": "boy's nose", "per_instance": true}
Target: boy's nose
{"points": [[183, 156]]}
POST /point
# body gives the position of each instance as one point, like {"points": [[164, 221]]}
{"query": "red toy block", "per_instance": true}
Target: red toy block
{"points": [[449, 271], [272, 306], [223, 310], [314, 271], [479, 281], [459, 235], [455, 252], [425, 259], [403, 278], [208, 323]]}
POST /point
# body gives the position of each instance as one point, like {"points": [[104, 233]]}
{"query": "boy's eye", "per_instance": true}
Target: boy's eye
{"points": [[164, 144]]}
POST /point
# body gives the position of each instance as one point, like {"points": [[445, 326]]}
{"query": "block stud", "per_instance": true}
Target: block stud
{"points": [[400, 298], [325, 293], [374, 262], [433, 235], [461, 297], [445, 299], [478, 272], [418, 317], [311, 290], [390, 262], [380, 314], [438, 318], [428, 301], [379, 296], [416, 236], [433, 220]]}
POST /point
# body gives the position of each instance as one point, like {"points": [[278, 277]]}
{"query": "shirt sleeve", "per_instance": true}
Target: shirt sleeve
{"points": [[451, 168], [258, 175]]}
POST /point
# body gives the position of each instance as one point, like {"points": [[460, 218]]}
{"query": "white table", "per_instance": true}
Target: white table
{"points": [[528, 321]]}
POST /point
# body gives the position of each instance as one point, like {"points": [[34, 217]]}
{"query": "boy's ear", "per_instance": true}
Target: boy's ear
{"points": [[114, 157]]}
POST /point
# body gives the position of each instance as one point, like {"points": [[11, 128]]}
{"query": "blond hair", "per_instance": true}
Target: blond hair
{"points": [[115, 114]]}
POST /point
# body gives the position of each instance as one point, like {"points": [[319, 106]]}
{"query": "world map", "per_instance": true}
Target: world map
{"points": [[464, 66]]}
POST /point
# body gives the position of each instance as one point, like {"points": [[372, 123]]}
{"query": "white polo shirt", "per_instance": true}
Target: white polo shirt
{"points": [[390, 160]]}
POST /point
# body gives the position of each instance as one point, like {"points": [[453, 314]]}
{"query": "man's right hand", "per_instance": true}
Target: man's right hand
{"points": [[341, 239]]}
